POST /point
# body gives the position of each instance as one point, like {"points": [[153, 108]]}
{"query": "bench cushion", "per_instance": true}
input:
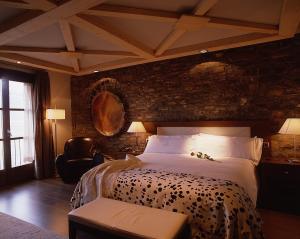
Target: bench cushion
{"points": [[130, 219]]}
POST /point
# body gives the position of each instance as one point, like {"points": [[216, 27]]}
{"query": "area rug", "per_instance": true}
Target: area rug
{"points": [[13, 228]]}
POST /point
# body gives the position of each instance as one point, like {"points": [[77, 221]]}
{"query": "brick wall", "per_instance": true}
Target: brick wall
{"points": [[249, 83]]}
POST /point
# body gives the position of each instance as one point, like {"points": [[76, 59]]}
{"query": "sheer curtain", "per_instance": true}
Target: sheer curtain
{"points": [[29, 152]]}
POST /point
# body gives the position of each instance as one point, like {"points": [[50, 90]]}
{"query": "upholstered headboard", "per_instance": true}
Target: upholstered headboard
{"points": [[226, 131], [257, 128], [260, 129]]}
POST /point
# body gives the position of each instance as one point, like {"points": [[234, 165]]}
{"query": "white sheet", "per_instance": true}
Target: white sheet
{"points": [[238, 170]]}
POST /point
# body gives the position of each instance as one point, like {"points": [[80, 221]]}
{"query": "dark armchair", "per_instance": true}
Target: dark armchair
{"points": [[80, 155]]}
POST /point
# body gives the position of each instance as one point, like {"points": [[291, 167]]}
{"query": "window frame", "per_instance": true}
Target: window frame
{"points": [[10, 75]]}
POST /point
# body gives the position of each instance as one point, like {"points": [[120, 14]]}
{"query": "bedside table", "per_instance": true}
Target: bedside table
{"points": [[279, 185], [120, 155]]}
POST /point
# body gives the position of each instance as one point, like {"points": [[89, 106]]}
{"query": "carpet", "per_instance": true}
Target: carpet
{"points": [[13, 228]]}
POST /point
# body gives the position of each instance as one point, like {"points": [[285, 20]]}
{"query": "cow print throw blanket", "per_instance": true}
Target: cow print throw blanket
{"points": [[217, 209]]}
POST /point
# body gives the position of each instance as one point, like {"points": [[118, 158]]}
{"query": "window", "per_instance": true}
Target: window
{"points": [[16, 123]]}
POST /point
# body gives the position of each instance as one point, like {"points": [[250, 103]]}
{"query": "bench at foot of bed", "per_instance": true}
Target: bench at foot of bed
{"points": [[107, 218]]}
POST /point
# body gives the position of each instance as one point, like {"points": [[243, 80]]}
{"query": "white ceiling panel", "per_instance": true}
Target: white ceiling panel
{"points": [[259, 11], [149, 33], [85, 40], [47, 37]]}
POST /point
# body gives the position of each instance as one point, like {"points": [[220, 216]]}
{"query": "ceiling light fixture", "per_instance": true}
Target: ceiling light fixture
{"points": [[203, 51], [19, 62], [96, 71]]}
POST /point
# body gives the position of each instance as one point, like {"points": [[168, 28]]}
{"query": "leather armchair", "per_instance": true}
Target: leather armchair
{"points": [[80, 155]]}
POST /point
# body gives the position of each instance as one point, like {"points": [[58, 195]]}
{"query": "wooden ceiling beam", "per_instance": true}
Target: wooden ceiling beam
{"points": [[222, 44], [107, 53], [69, 41], [15, 4], [43, 5], [138, 14], [30, 49], [172, 37], [227, 43], [107, 10], [290, 18], [33, 62], [204, 6], [67, 34], [75, 63], [111, 65], [11, 32], [185, 23], [12, 49], [111, 34], [223, 23]]}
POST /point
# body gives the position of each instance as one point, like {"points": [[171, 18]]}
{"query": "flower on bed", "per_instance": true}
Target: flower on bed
{"points": [[201, 155]]}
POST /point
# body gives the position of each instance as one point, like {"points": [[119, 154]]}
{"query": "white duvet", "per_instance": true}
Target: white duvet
{"points": [[238, 170]]}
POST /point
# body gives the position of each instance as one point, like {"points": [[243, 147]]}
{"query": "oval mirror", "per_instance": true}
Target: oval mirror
{"points": [[108, 113]]}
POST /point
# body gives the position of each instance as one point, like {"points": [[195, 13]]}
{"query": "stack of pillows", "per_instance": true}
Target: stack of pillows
{"points": [[213, 145]]}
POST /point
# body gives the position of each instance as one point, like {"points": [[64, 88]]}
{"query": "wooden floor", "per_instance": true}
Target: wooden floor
{"points": [[46, 204]]}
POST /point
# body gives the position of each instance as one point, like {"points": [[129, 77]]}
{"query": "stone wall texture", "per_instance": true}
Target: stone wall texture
{"points": [[259, 82]]}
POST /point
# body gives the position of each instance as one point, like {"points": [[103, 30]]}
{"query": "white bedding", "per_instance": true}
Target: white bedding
{"points": [[240, 171]]}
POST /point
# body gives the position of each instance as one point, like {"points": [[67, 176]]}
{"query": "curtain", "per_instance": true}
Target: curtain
{"points": [[44, 160], [29, 152]]}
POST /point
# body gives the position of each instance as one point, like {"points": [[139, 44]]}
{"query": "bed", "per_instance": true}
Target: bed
{"points": [[219, 196]]}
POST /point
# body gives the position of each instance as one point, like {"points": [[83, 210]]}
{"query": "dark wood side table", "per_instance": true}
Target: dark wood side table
{"points": [[120, 155], [279, 185]]}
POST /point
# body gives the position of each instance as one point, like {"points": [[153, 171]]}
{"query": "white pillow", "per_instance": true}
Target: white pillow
{"points": [[224, 146], [173, 144], [214, 146]]}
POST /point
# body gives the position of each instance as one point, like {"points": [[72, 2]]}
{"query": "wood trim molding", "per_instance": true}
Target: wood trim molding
{"points": [[20, 49], [29, 61]]}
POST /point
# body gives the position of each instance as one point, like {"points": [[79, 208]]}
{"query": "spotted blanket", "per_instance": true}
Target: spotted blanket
{"points": [[217, 209]]}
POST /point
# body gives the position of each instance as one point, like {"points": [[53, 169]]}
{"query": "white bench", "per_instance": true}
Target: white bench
{"points": [[109, 218]]}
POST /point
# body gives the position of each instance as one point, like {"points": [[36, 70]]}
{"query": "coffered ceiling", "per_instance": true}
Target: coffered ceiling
{"points": [[79, 37]]}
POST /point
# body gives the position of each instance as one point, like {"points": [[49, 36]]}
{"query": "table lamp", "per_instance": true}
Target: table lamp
{"points": [[136, 127], [291, 126]]}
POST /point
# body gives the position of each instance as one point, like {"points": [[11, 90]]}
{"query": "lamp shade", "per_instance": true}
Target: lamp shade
{"points": [[291, 126], [136, 127], [55, 114]]}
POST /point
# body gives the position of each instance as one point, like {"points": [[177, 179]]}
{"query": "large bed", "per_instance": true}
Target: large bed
{"points": [[219, 195]]}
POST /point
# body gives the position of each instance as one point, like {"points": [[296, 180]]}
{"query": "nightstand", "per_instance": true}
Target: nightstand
{"points": [[120, 155], [279, 185]]}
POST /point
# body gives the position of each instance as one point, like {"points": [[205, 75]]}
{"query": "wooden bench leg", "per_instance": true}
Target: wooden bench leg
{"points": [[72, 230]]}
